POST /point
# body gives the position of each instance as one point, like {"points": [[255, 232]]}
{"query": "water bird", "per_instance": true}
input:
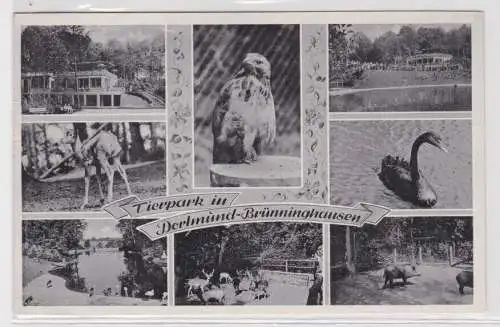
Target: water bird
{"points": [[49, 283], [405, 179], [28, 300]]}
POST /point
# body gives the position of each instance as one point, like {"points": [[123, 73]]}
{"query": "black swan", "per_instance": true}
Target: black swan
{"points": [[405, 179]]}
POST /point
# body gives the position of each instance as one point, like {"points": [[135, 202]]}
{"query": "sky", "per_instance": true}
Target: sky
{"points": [[124, 33], [101, 228], [373, 31]]}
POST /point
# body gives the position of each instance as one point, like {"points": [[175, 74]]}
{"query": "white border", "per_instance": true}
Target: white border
{"points": [[402, 312]]}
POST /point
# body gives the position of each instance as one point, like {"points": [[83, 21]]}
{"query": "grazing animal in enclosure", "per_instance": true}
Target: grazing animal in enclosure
{"points": [[405, 179], [261, 289], [244, 117], [465, 278], [403, 272], [225, 277], [103, 152], [216, 294], [198, 283], [149, 294], [164, 298]]}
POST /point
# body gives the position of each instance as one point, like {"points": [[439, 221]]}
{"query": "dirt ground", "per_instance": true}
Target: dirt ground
{"points": [[146, 181], [279, 294], [33, 268], [436, 285]]}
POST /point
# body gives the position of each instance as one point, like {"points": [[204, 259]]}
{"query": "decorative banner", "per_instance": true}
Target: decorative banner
{"points": [[252, 213], [133, 207]]}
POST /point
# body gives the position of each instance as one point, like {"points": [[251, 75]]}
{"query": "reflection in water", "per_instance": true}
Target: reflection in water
{"points": [[126, 273], [439, 98]]}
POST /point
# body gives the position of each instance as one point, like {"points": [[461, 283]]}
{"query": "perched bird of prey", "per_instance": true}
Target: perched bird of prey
{"points": [[244, 118]]}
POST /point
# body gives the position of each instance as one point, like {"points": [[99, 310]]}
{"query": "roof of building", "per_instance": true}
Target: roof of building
{"points": [[82, 73], [35, 74]]}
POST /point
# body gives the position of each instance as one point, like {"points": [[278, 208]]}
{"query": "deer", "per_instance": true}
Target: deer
{"points": [[199, 283], [226, 277], [102, 151]]}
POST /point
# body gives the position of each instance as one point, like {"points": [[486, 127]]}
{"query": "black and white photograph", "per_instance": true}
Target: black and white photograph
{"points": [[92, 69], [407, 261], [83, 166], [400, 67], [92, 262], [247, 106], [402, 164], [250, 264]]}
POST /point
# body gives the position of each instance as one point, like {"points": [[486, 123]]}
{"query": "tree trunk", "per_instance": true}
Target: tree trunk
{"points": [[137, 150], [80, 133], [223, 244], [32, 155], [45, 144], [124, 143], [154, 139], [349, 262]]}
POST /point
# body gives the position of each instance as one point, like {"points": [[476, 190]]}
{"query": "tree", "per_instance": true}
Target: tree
{"points": [[363, 47], [87, 243], [137, 150], [42, 50], [408, 38], [77, 43]]}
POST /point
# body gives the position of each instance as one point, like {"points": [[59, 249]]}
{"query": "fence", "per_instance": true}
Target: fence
{"points": [[449, 254], [291, 265]]}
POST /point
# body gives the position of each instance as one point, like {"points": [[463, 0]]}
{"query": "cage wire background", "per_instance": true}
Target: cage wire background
{"points": [[218, 52]]}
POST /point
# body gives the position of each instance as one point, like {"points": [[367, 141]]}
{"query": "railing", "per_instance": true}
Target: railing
{"points": [[291, 265]]}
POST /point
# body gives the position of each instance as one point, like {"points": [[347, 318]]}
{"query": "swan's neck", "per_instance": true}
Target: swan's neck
{"points": [[415, 173]]}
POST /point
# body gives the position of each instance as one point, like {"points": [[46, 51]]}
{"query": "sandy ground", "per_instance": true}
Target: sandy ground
{"points": [[59, 295], [33, 268], [436, 285], [67, 194]]}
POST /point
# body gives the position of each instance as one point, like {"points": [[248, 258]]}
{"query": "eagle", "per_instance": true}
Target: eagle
{"points": [[244, 117]]}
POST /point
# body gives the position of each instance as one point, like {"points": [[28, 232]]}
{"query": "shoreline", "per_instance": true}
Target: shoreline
{"points": [[36, 275]]}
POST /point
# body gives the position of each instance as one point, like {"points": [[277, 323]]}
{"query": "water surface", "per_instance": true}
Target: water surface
{"points": [[413, 98], [358, 147]]}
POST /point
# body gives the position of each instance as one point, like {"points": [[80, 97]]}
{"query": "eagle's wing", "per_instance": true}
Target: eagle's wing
{"points": [[270, 117], [221, 107]]}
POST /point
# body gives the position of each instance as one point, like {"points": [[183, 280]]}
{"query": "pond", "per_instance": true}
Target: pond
{"points": [[411, 98], [110, 268], [358, 147]]}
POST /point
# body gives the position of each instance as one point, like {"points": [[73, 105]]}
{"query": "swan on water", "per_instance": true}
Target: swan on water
{"points": [[405, 179]]}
